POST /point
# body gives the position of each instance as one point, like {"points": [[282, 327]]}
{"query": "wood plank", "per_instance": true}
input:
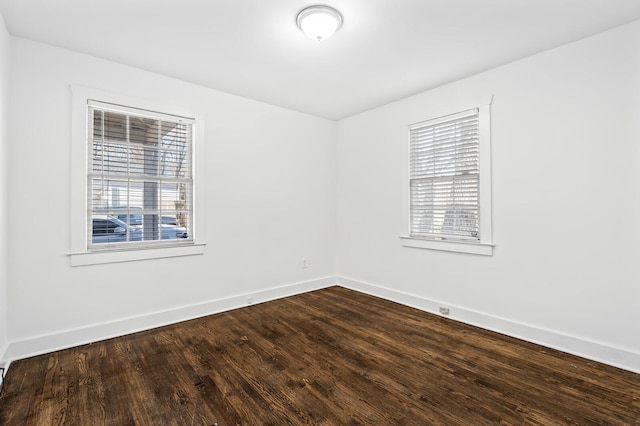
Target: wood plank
{"points": [[327, 357]]}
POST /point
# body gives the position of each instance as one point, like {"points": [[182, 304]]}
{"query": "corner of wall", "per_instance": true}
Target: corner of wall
{"points": [[4, 140]]}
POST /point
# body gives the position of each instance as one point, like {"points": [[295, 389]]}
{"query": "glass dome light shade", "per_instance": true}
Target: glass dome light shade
{"points": [[319, 22]]}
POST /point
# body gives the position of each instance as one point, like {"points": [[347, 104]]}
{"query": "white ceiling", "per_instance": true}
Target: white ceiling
{"points": [[386, 49]]}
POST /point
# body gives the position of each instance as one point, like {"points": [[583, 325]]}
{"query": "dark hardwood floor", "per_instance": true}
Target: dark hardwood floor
{"points": [[332, 357]]}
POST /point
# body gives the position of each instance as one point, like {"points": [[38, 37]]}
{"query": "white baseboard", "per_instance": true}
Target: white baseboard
{"points": [[70, 338], [606, 354], [595, 351]]}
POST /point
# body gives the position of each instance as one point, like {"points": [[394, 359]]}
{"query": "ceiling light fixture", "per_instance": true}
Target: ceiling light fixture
{"points": [[319, 22]]}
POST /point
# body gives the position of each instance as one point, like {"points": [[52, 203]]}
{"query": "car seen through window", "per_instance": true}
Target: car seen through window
{"points": [[112, 229]]}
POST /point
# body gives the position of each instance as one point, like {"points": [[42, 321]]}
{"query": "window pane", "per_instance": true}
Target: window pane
{"points": [[140, 177], [143, 161], [110, 158], [444, 177]]}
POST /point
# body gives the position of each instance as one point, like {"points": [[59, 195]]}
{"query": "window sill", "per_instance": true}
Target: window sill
{"points": [[116, 256], [483, 249]]}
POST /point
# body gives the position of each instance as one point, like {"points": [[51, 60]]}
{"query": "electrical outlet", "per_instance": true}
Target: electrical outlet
{"points": [[304, 264], [444, 311]]}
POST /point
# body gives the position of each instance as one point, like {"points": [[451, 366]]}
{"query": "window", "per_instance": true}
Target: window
{"points": [[136, 177], [448, 199], [444, 176], [139, 173]]}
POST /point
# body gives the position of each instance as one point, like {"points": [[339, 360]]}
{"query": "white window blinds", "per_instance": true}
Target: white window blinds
{"points": [[140, 181], [444, 177]]}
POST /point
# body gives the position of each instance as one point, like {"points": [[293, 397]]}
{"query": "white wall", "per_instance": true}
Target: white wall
{"points": [[4, 141], [566, 179], [566, 185], [269, 203]]}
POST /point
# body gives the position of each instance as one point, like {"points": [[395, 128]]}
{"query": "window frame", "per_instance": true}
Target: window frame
{"points": [[483, 246], [128, 177], [81, 254]]}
